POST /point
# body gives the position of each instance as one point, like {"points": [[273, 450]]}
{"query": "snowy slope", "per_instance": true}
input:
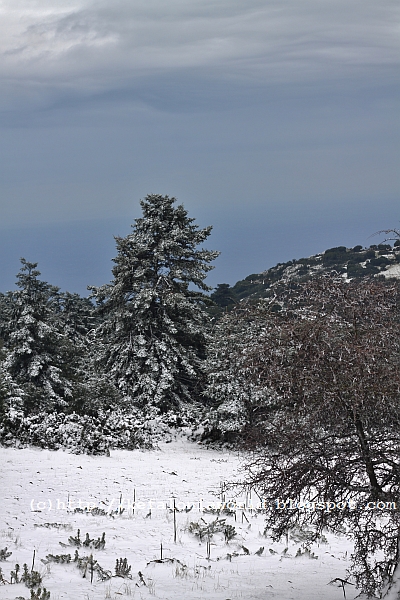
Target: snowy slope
{"points": [[38, 484]]}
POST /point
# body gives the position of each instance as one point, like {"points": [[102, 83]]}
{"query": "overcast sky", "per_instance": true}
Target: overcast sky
{"points": [[276, 121]]}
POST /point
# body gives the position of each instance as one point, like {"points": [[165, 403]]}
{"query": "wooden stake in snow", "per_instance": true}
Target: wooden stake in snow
{"points": [[33, 560], [223, 496], [161, 551], [174, 522]]}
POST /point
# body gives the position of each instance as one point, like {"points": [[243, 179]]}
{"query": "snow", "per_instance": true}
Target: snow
{"points": [[391, 271], [37, 485]]}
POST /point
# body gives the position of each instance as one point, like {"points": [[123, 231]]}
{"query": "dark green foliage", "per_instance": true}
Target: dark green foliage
{"points": [[250, 287], [233, 397], [4, 554], [229, 532], [153, 337], [80, 434], [88, 541], [48, 342], [88, 566], [224, 295], [77, 315], [355, 270], [40, 358], [4, 387], [205, 531], [122, 569], [14, 575], [357, 262], [379, 261], [98, 544], [98, 512], [95, 394], [253, 277], [336, 250], [75, 540], [31, 578], [335, 256], [40, 594], [58, 558]]}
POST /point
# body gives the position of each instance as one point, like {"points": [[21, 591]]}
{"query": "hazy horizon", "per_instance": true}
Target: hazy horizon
{"points": [[275, 122]]}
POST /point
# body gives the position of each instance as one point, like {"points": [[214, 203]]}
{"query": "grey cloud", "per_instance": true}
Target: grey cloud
{"points": [[102, 45], [268, 118]]}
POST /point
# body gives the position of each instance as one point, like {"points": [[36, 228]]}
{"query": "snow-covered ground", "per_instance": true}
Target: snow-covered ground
{"points": [[37, 486], [391, 271]]}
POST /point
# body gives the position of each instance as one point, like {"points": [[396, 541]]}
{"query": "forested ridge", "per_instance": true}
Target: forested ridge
{"points": [[357, 262], [142, 347]]}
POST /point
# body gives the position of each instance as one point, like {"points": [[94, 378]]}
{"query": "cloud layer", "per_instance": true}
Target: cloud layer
{"points": [[275, 120], [91, 47]]}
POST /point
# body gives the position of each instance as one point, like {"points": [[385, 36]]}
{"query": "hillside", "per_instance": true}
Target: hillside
{"points": [[377, 260]]}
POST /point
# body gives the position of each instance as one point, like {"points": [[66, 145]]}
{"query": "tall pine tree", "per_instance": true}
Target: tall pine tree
{"points": [[152, 339]]}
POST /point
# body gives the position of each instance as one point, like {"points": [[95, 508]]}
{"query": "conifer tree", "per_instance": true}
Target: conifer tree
{"points": [[155, 329], [11, 395], [91, 392], [77, 316], [40, 356]]}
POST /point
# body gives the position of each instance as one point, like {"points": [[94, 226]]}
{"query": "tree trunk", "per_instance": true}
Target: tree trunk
{"points": [[376, 490]]}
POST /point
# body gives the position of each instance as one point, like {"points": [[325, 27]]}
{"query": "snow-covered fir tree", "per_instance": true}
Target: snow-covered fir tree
{"points": [[40, 357], [153, 337], [7, 387], [11, 394], [78, 317], [92, 392], [233, 396]]}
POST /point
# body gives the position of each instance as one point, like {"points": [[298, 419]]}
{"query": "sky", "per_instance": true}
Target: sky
{"points": [[275, 121]]}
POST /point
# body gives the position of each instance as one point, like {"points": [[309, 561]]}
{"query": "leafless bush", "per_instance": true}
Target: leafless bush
{"points": [[322, 362]]}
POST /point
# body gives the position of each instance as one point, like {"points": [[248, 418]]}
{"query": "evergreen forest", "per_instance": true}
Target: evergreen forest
{"points": [[297, 365]]}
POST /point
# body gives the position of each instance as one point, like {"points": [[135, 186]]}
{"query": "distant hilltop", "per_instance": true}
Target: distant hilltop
{"points": [[377, 260]]}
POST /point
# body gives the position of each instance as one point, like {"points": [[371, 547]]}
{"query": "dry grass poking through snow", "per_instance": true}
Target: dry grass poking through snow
{"points": [[218, 557]]}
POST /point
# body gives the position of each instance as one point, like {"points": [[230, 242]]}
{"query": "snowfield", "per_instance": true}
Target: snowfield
{"points": [[38, 485]]}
